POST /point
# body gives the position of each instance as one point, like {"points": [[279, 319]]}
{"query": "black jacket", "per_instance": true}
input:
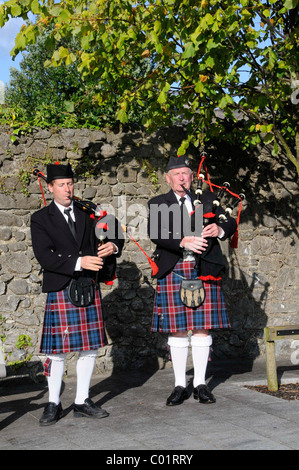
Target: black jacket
{"points": [[168, 250], [57, 251]]}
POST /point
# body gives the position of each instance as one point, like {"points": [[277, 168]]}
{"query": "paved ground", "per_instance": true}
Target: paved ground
{"points": [[140, 425]]}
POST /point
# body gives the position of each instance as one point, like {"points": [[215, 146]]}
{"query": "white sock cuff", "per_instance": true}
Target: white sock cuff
{"points": [[178, 342], [57, 357], [201, 341], [87, 354]]}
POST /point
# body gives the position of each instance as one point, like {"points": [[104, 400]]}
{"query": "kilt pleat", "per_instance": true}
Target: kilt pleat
{"points": [[67, 328], [171, 315]]}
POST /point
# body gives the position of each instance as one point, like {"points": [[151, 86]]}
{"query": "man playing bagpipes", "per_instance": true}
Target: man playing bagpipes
{"points": [[188, 296], [64, 243]]}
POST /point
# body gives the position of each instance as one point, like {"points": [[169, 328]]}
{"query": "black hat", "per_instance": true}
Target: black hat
{"points": [[178, 162], [56, 171]]}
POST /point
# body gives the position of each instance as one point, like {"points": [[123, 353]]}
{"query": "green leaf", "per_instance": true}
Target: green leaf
{"points": [[64, 15], [55, 11], [233, 27], [122, 116], [85, 42], [181, 150], [157, 26], [184, 145], [132, 34], [211, 44], [20, 42], [225, 100], [63, 52], [69, 106], [194, 36], [290, 4], [222, 104], [268, 138], [70, 59], [93, 8], [35, 7], [166, 87], [16, 10], [56, 56], [275, 149], [210, 61], [189, 51], [199, 87], [48, 63], [251, 44], [162, 97], [272, 59]]}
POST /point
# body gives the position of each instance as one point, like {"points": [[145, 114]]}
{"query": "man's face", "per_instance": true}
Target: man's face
{"points": [[178, 177], [62, 190]]}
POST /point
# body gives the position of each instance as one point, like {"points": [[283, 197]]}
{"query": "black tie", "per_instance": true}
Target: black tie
{"points": [[184, 213], [71, 223]]}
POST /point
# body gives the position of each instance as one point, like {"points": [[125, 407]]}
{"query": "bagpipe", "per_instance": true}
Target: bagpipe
{"points": [[210, 208], [106, 226], [103, 224]]}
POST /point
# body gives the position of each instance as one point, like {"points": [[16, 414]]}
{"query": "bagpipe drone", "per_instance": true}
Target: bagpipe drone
{"points": [[210, 208]]}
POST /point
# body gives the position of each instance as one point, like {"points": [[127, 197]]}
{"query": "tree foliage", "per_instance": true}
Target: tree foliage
{"points": [[43, 94], [199, 50], [57, 96]]}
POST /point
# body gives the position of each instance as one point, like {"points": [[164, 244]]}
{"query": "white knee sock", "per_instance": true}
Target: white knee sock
{"points": [[85, 366], [200, 355], [55, 377], [179, 354]]}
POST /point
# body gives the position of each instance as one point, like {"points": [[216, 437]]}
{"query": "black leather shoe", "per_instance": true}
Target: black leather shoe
{"points": [[89, 409], [203, 394], [179, 394], [51, 414]]}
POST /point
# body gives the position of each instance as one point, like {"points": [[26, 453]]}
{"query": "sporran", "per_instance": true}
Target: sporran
{"points": [[81, 291], [192, 292]]}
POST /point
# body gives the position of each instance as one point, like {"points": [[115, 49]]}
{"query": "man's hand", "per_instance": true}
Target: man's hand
{"points": [[106, 249], [92, 263], [212, 230], [195, 244]]}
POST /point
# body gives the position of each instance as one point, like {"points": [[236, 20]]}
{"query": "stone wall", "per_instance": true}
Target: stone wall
{"points": [[123, 169]]}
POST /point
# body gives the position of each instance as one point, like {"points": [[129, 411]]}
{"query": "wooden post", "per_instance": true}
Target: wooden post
{"points": [[271, 366], [271, 363], [272, 334]]}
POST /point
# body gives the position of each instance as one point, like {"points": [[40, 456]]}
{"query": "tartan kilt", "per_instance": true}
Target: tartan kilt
{"points": [[68, 328], [171, 315]]}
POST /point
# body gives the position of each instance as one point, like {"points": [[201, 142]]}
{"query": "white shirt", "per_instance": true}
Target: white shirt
{"points": [[188, 202], [62, 209]]}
